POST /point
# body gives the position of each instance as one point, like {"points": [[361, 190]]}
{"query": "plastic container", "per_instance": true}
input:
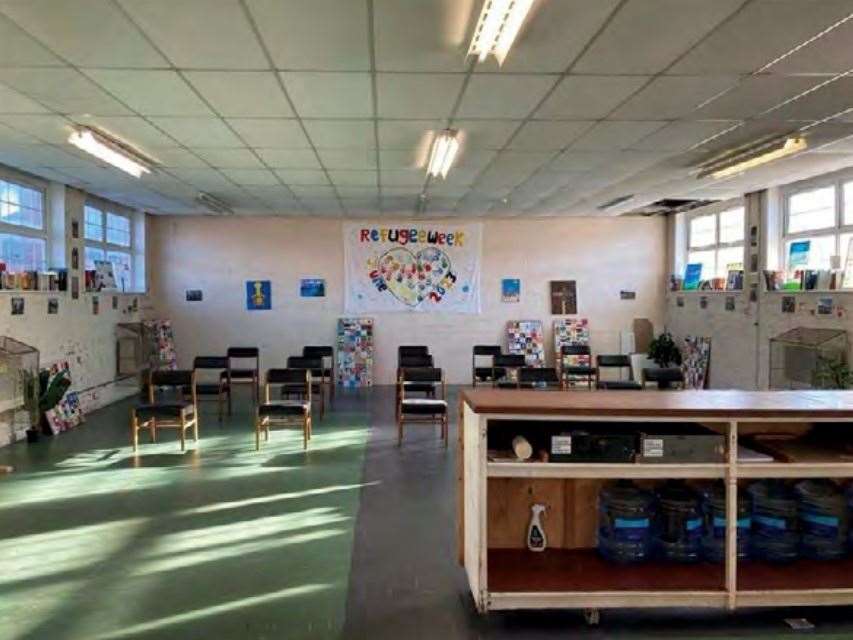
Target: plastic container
{"points": [[714, 514], [823, 520], [775, 523], [625, 514], [679, 525]]}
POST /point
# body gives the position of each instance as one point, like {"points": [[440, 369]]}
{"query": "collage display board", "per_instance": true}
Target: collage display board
{"points": [[425, 267], [571, 331], [355, 352], [162, 344], [526, 337], [697, 358], [67, 414]]}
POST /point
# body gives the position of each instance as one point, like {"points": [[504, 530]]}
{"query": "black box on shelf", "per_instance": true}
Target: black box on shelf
{"points": [[680, 442], [606, 444]]}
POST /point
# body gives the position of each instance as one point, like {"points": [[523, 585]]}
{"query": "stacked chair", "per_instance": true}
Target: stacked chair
{"points": [[327, 372], [285, 413], [506, 370], [483, 364], [179, 412], [206, 388], [241, 375]]}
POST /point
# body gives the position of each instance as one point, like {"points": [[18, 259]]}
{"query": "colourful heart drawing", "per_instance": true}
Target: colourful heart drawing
{"points": [[413, 278]]}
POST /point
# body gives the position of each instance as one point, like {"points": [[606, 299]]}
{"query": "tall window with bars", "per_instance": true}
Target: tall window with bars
{"points": [[23, 231], [109, 239], [715, 240]]}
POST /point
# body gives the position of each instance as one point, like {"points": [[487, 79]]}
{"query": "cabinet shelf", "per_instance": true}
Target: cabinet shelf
{"points": [[604, 470]]}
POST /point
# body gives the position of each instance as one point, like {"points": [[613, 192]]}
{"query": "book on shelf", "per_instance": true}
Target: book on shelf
{"points": [[734, 282], [774, 279], [692, 276]]}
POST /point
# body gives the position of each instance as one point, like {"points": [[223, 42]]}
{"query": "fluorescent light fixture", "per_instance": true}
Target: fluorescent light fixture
{"points": [[213, 203], [749, 160], [497, 27], [110, 151], [444, 150]]}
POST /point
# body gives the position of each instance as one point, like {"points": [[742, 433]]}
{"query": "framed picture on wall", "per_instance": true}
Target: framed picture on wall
{"points": [[510, 290], [258, 295], [312, 288], [52, 306], [75, 229], [564, 297]]}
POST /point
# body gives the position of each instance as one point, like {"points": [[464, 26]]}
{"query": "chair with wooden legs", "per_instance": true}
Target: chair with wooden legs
{"points": [[481, 372], [539, 378], [237, 376], [423, 410], [576, 365], [317, 386], [327, 372], [208, 388], [285, 413], [174, 413]]}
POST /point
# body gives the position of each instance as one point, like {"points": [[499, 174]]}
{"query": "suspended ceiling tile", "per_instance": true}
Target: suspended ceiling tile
{"points": [[198, 132], [19, 49], [760, 33], [348, 158], [646, 36], [51, 129], [323, 205], [671, 97], [151, 93], [538, 135], [403, 177], [303, 176], [199, 34], [12, 101], [270, 132], [251, 177], [829, 54], [351, 178], [241, 93], [95, 33], [313, 191], [63, 90], [422, 36], [319, 35], [345, 191], [503, 96], [11, 137], [177, 158], [341, 134], [613, 135], [832, 97], [422, 95], [289, 158], [680, 136], [754, 96], [228, 158], [589, 97], [330, 95], [399, 159], [205, 179], [132, 130], [407, 134], [485, 134]]}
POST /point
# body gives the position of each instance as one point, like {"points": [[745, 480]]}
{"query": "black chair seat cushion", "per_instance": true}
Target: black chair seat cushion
{"points": [[242, 374], [620, 385], [209, 389], [420, 387], [283, 408], [486, 373], [424, 407], [162, 410], [579, 370]]}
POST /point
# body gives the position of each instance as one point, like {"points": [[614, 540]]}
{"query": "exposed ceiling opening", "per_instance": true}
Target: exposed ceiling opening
{"points": [[329, 107]]}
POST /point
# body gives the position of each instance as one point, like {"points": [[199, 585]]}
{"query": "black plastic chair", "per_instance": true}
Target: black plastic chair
{"points": [[572, 373], [619, 385], [429, 410], [482, 373], [327, 355], [285, 413], [237, 375], [611, 361], [311, 365], [508, 364], [539, 378], [220, 388], [172, 413], [664, 377], [411, 350]]}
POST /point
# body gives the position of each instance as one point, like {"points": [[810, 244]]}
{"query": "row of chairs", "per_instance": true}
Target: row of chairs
{"points": [[417, 374]]}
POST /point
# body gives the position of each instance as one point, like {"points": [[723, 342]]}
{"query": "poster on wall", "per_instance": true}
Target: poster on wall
{"points": [[564, 297], [510, 290], [428, 267], [258, 295], [312, 288]]}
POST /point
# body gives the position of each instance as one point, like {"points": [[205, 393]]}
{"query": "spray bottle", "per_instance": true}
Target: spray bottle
{"points": [[536, 540]]}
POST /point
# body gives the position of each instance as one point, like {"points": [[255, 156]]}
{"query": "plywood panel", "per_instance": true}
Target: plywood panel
{"points": [[509, 502]]}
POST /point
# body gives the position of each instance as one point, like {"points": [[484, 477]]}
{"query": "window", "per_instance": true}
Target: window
{"points": [[23, 238], [109, 238], [823, 216], [715, 240]]}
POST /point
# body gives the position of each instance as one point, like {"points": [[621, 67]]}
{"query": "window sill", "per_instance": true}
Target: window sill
{"points": [[789, 292]]}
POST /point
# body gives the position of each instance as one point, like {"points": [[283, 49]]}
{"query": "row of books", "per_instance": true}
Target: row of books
{"points": [[734, 282], [802, 280], [34, 280]]}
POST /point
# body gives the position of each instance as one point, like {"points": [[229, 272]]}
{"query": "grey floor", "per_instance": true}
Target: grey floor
{"points": [[405, 582]]}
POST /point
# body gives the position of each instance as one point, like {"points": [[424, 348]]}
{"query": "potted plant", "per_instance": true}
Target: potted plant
{"points": [[664, 352], [833, 373]]}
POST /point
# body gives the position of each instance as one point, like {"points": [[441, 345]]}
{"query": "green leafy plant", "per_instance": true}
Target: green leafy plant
{"points": [[664, 352], [833, 373]]}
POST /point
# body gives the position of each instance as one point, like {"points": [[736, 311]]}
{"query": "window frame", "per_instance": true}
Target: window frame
{"points": [[838, 229], [104, 245], [717, 211], [23, 230]]}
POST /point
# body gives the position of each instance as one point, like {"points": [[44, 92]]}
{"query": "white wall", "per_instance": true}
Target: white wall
{"points": [[75, 334], [218, 254]]}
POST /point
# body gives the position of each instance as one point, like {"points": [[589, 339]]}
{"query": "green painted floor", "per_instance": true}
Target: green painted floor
{"points": [[219, 542]]}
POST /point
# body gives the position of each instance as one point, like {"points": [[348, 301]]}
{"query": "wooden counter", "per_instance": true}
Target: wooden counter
{"points": [[494, 499]]}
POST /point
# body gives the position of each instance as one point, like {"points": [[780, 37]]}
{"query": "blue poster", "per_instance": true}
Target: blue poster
{"points": [[258, 295], [312, 288], [692, 276], [510, 290], [798, 254]]}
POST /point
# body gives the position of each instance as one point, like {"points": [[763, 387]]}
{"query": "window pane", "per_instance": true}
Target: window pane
{"points": [[21, 205], [22, 253], [118, 230], [730, 258], [848, 208], [731, 225], [92, 254], [811, 210], [843, 246], [121, 268], [94, 224], [706, 258], [820, 248], [703, 231]]}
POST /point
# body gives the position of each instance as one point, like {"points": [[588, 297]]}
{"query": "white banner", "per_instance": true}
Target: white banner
{"points": [[417, 267]]}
